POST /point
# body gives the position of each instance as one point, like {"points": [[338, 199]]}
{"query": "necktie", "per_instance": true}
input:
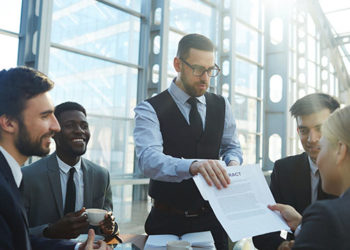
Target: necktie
{"points": [[320, 193], [70, 194], [195, 119]]}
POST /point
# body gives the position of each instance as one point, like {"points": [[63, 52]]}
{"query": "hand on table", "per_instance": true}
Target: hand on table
{"points": [[89, 243], [289, 214], [68, 227], [108, 224], [212, 171], [286, 245]]}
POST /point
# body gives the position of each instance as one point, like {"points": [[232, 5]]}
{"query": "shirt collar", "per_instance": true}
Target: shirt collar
{"points": [[65, 167], [313, 166], [181, 95], [14, 166]]}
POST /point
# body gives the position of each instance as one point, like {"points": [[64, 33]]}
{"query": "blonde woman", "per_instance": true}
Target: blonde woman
{"points": [[326, 224]]}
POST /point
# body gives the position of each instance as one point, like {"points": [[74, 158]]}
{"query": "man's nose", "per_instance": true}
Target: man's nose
{"points": [[314, 136], [205, 77], [78, 129], [55, 126]]}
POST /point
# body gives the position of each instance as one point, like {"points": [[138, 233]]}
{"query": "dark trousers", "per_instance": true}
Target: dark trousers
{"points": [[160, 222]]}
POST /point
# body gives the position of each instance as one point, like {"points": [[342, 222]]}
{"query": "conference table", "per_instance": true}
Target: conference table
{"points": [[129, 241]]}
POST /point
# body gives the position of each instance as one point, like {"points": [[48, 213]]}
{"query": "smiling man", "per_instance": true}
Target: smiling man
{"points": [[180, 133], [68, 183], [27, 123], [295, 179]]}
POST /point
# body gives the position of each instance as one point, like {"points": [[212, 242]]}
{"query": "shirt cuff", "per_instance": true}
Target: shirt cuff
{"points": [[233, 158], [183, 168], [297, 230], [77, 246]]}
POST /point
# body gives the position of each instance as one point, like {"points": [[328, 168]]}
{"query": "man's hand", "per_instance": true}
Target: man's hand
{"points": [[68, 227], [286, 245], [89, 243], [108, 224], [212, 171], [289, 214]]}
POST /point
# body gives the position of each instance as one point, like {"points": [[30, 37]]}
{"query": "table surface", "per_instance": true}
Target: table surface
{"points": [[137, 239]]}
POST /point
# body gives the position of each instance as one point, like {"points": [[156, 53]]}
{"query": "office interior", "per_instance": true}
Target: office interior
{"points": [[109, 55]]}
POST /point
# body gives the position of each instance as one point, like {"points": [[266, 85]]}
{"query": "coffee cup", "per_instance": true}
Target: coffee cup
{"points": [[178, 245], [95, 215]]}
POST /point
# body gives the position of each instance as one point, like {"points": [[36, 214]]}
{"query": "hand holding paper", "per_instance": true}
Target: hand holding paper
{"points": [[242, 208], [289, 214], [212, 171]]}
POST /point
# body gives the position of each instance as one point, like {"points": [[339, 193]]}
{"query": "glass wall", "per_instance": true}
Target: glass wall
{"points": [[247, 101], [310, 68], [10, 17], [94, 61]]}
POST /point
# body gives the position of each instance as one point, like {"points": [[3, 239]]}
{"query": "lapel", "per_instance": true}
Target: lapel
{"points": [[53, 172], [302, 182], [88, 179], [7, 173]]}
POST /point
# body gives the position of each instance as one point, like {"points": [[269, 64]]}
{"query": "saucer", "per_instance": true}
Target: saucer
{"points": [[83, 238]]}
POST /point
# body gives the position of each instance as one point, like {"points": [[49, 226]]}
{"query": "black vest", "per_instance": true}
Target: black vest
{"points": [[178, 142]]}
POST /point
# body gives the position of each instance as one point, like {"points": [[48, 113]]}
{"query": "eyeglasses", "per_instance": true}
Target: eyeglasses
{"points": [[200, 70]]}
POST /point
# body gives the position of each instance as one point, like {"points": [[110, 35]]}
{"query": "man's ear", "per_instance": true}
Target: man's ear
{"points": [[342, 151], [8, 124], [177, 64]]}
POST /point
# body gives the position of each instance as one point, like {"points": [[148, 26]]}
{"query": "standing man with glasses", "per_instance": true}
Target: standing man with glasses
{"points": [[181, 132]]}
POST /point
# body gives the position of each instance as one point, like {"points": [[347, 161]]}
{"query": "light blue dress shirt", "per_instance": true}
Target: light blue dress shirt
{"points": [[149, 142]]}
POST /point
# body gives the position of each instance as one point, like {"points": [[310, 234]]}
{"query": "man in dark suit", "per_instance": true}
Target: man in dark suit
{"points": [[47, 201], [295, 179], [27, 124]]}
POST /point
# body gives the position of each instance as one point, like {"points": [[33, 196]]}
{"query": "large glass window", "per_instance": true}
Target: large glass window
{"points": [[10, 17], [93, 60]]}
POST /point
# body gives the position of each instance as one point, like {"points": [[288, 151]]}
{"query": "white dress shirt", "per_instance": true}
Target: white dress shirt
{"points": [[78, 181]]}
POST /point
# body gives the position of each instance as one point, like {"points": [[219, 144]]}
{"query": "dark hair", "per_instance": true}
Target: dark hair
{"points": [[68, 106], [313, 103], [195, 41], [17, 85]]}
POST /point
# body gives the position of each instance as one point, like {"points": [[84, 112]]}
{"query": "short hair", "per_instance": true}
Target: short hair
{"points": [[336, 127], [193, 41], [17, 85], [313, 103], [68, 106]]}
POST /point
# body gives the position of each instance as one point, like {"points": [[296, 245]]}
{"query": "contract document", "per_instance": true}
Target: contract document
{"points": [[241, 208]]}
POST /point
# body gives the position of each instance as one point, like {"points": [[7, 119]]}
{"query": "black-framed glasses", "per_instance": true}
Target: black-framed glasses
{"points": [[200, 70]]}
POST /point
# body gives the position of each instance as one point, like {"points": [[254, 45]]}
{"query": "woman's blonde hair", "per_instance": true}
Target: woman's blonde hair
{"points": [[337, 127]]}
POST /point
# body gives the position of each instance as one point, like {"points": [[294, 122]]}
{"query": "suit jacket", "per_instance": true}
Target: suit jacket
{"points": [[14, 232], [290, 184], [326, 225], [43, 194]]}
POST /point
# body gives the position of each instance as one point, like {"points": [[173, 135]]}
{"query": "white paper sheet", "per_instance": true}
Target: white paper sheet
{"points": [[242, 208]]}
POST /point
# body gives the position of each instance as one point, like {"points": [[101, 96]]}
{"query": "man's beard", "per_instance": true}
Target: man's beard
{"points": [[190, 90], [29, 147]]}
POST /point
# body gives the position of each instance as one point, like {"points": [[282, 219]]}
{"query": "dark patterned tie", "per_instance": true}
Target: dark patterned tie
{"points": [[195, 119], [70, 194], [320, 194]]}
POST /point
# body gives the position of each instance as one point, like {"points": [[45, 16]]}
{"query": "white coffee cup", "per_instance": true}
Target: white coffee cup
{"points": [[178, 245], [95, 215]]}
